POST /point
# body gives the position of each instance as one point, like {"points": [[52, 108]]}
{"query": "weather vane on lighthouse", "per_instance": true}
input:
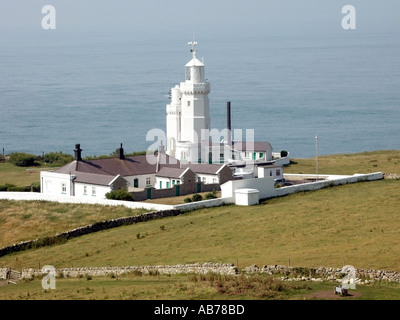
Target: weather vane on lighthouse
{"points": [[193, 50]]}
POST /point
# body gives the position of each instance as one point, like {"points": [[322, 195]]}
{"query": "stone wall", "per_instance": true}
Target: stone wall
{"points": [[391, 176], [198, 268], [323, 273], [287, 273], [98, 226]]}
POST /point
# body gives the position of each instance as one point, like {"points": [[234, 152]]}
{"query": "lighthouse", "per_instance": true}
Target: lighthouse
{"points": [[188, 113]]}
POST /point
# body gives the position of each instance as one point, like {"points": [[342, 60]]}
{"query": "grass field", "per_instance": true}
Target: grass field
{"points": [[355, 224], [21, 221], [191, 287], [387, 161]]}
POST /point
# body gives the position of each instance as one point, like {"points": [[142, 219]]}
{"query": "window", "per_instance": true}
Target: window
{"points": [[64, 188], [178, 181], [93, 191], [188, 103], [278, 172], [247, 154], [204, 180], [167, 184], [148, 181], [261, 154], [214, 180], [173, 182], [270, 173], [84, 190], [160, 184]]}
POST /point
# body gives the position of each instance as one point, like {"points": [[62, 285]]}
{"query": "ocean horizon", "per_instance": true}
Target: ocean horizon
{"points": [[100, 89]]}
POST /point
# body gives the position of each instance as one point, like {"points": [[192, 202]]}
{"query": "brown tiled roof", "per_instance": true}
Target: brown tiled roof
{"points": [[203, 167], [130, 166], [170, 172], [93, 178], [258, 146]]}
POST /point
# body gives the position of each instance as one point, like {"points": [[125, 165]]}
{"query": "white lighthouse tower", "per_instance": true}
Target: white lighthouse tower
{"points": [[188, 113]]}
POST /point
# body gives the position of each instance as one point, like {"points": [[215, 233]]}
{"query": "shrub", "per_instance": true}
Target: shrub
{"points": [[19, 189], [4, 187], [35, 186], [120, 194], [284, 153], [23, 159], [58, 158], [197, 197], [211, 195], [187, 200]]}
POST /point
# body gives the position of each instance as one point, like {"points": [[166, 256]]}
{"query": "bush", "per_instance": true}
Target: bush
{"points": [[187, 200], [4, 187], [197, 197], [211, 195], [58, 158], [19, 189], [35, 186], [120, 194], [284, 153], [23, 159]]}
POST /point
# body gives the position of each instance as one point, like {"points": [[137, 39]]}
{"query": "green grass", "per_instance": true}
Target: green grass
{"points": [[386, 161], [29, 220], [353, 224], [18, 176], [190, 287]]}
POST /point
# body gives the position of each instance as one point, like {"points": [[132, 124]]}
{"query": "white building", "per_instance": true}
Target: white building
{"points": [[188, 113]]}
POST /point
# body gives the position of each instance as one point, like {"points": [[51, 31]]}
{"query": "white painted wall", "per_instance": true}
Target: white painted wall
{"points": [[208, 178], [142, 180], [98, 192], [264, 185], [273, 171], [247, 197], [30, 196], [52, 183]]}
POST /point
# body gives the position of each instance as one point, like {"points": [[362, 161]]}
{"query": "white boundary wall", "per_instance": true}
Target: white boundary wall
{"points": [[264, 185], [35, 196], [331, 180]]}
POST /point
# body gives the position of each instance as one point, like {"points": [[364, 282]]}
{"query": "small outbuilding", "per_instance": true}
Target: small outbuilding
{"points": [[247, 197]]}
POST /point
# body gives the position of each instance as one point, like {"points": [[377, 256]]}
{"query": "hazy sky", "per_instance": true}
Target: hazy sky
{"points": [[199, 16]]}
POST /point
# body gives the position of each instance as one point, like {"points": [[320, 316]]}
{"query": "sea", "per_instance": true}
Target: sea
{"points": [[307, 93]]}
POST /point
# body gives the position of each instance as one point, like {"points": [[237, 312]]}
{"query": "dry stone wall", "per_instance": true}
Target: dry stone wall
{"points": [[323, 273], [391, 176], [198, 268]]}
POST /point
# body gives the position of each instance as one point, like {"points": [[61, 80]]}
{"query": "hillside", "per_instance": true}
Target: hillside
{"points": [[353, 224]]}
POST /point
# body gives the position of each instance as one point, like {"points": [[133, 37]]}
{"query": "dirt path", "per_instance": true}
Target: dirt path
{"points": [[329, 294]]}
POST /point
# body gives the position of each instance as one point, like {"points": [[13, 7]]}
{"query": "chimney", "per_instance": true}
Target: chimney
{"points": [[228, 123], [120, 153], [161, 157], [78, 152]]}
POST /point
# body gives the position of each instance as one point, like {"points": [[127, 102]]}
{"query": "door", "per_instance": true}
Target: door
{"points": [[136, 183]]}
